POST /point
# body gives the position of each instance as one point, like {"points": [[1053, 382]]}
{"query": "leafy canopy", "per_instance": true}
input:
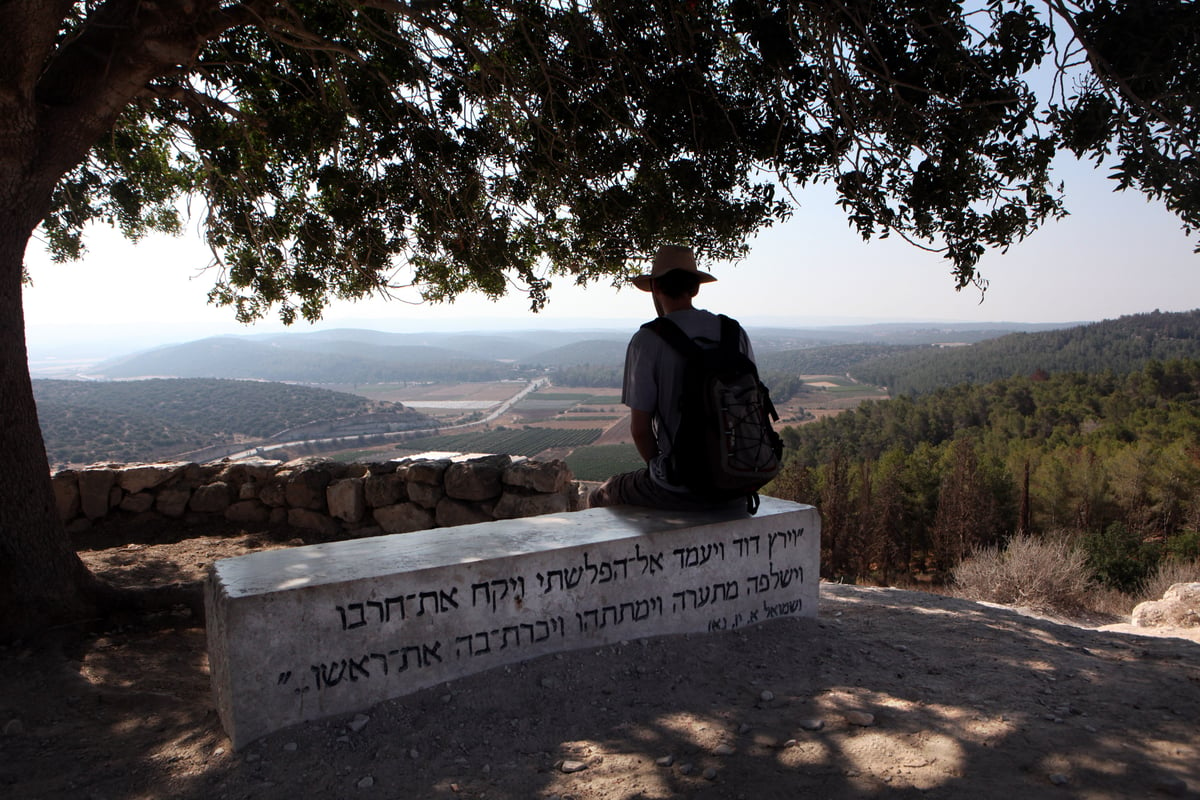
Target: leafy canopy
{"points": [[344, 148]]}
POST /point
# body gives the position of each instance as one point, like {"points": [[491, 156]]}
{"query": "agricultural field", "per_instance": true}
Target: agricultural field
{"points": [[825, 396], [587, 427], [518, 442], [446, 402], [600, 461]]}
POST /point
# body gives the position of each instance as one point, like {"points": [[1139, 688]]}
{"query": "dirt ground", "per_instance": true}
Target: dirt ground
{"points": [[886, 694]]}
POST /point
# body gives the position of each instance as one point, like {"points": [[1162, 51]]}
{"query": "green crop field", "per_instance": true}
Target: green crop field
{"points": [[597, 462]]}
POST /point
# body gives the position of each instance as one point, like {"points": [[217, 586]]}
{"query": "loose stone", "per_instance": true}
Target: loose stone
{"points": [[723, 750], [812, 724], [366, 782], [1058, 779], [860, 718], [291, 747], [687, 769], [572, 766], [665, 761], [767, 695], [710, 774], [359, 722]]}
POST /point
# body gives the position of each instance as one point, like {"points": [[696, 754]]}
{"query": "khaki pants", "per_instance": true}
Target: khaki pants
{"points": [[637, 488]]}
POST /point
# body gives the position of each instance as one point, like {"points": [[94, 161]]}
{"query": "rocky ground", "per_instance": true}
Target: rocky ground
{"points": [[888, 693]]}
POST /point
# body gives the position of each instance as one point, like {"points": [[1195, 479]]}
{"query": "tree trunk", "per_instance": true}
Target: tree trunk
{"points": [[42, 580]]}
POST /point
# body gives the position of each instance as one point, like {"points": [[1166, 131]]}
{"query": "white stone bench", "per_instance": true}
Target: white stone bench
{"points": [[306, 632]]}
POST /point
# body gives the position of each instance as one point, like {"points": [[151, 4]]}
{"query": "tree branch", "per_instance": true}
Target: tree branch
{"points": [[30, 27], [122, 47]]}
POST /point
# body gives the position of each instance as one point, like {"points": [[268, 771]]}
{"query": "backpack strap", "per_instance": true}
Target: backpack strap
{"points": [[673, 335], [731, 333]]}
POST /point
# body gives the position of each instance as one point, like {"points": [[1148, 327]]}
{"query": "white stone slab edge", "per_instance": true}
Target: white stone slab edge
{"points": [[303, 633]]}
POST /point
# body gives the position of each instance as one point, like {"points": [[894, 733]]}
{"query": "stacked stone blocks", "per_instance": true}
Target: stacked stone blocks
{"points": [[327, 497]]}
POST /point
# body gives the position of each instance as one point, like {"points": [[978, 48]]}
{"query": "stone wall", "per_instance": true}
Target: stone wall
{"points": [[328, 497]]}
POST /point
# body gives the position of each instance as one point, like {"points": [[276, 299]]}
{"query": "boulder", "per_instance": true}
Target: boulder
{"points": [[404, 518], [95, 485], [212, 499], [305, 488], [248, 512], [477, 479], [346, 500], [136, 478], [1179, 607], [513, 505], [274, 492], [451, 512], [384, 490], [548, 477], [425, 494], [428, 472], [249, 470], [138, 503], [310, 520], [66, 494], [172, 501]]}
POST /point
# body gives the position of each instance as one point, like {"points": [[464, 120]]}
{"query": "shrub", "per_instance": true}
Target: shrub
{"points": [[1184, 546], [1169, 573], [1120, 558], [1045, 574]]}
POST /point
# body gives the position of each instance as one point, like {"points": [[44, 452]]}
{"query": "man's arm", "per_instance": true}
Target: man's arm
{"points": [[643, 434]]}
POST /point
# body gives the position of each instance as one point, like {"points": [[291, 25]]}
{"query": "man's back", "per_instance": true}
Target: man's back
{"points": [[654, 377]]}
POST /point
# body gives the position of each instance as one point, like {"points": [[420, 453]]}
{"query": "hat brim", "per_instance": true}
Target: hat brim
{"points": [[644, 282]]}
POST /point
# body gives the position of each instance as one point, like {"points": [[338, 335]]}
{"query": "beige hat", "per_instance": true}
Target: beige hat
{"points": [[671, 257]]}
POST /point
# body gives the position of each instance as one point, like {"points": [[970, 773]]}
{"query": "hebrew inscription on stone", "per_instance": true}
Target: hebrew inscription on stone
{"points": [[297, 635]]}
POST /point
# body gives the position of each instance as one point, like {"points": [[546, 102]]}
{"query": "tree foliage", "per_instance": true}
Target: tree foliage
{"points": [[350, 147], [1122, 345], [344, 148], [922, 482]]}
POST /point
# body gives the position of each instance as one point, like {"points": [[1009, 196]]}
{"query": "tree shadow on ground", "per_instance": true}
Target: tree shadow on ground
{"points": [[965, 700]]}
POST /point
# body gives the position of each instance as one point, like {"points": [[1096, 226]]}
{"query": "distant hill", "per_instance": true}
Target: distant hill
{"points": [[771, 339], [837, 359], [353, 356], [304, 360], [594, 352], [477, 346], [1122, 345], [88, 421]]}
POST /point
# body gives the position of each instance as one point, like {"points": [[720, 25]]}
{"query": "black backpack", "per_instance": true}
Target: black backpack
{"points": [[725, 446]]}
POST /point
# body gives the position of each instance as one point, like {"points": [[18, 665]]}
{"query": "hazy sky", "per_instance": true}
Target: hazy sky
{"points": [[1116, 254]]}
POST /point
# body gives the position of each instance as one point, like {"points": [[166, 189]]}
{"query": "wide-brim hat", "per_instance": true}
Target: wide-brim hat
{"points": [[669, 258]]}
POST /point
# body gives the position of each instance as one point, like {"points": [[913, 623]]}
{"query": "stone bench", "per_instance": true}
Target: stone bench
{"points": [[307, 632]]}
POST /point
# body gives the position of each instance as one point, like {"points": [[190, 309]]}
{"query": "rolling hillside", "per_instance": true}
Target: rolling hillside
{"points": [[1122, 345], [84, 421], [304, 360]]}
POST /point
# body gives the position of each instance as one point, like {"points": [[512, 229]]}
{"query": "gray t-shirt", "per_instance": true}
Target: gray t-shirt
{"points": [[654, 378]]}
